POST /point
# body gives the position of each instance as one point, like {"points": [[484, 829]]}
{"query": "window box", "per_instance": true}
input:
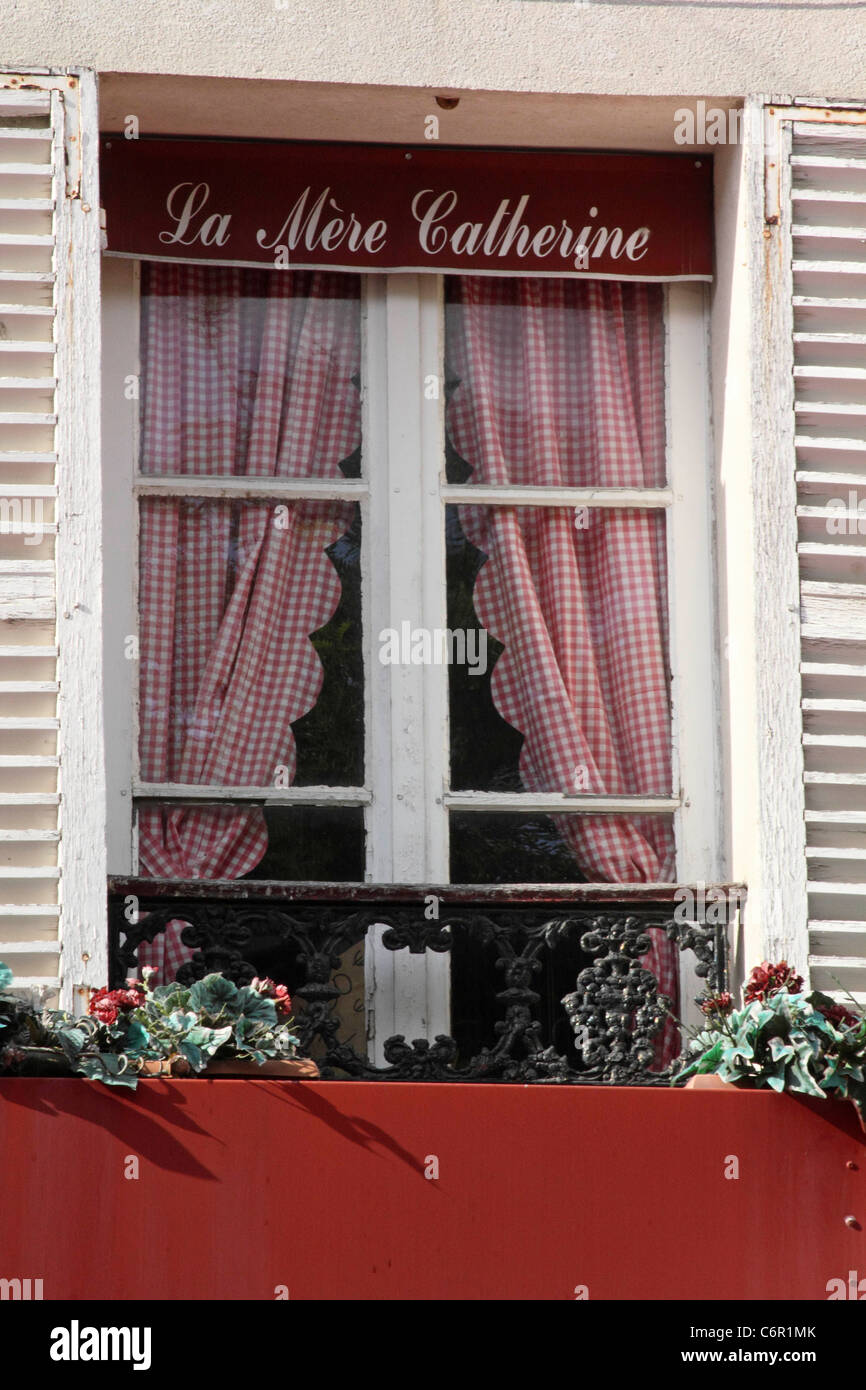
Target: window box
{"points": [[405, 1192]]}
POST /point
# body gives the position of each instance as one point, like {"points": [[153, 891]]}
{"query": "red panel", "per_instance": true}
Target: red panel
{"points": [[246, 1185], [431, 208]]}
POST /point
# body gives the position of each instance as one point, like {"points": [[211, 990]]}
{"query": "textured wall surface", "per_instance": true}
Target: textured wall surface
{"points": [[805, 47]]}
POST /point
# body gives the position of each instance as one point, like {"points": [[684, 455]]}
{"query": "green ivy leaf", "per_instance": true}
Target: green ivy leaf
{"points": [[213, 993], [709, 1046], [173, 996], [193, 1055], [208, 1040], [137, 1038], [220, 1036], [800, 1080], [72, 1041], [780, 1049], [109, 1068], [741, 1047], [180, 1021], [253, 1005]]}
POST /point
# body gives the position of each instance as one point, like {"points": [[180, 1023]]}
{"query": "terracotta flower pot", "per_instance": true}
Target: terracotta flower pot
{"points": [[161, 1066], [288, 1068], [707, 1082]]}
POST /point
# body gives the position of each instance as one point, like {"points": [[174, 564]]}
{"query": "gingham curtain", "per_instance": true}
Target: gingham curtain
{"points": [[561, 384], [245, 373]]}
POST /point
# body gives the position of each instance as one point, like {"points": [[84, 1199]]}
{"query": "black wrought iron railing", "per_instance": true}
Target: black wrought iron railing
{"points": [[560, 966]]}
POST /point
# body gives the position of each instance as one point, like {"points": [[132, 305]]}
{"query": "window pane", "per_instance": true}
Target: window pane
{"points": [[555, 383], [509, 847], [565, 687], [524, 847], [296, 843], [251, 664], [250, 373], [322, 844]]}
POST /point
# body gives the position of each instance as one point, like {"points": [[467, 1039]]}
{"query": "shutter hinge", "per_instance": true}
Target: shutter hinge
{"points": [[772, 188], [70, 99]]}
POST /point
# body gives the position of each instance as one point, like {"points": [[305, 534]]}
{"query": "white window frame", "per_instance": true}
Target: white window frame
{"points": [[405, 795]]}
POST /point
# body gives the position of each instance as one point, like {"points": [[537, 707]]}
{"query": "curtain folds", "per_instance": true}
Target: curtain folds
{"points": [[560, 383], [246, 374]]}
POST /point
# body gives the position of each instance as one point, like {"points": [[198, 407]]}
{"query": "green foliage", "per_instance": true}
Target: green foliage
{"points": [[784, 1041], [16, 1020], [112, 1069], [185, 1026]]}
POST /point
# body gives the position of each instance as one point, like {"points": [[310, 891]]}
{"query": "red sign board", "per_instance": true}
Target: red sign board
{"points": [[391, 208]]}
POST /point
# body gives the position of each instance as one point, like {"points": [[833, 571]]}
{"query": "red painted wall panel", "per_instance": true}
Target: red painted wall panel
{"points": [[245, 1185]]}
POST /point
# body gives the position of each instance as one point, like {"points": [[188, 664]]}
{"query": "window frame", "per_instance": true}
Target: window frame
{"points": [[405, 797]]}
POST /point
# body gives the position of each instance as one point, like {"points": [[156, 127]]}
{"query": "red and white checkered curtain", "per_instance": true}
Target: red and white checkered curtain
{"points": [[561, 384], [245, 374]]}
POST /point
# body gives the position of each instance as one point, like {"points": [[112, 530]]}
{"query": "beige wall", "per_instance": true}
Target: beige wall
{"points": [[811, 48]]}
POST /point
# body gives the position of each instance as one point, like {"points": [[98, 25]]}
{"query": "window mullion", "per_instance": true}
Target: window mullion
{"points": [[406, 512], [375, 581], [434, 616], [120, 425], [405, 993], [434, 594], [692, 612], [379, 963]]}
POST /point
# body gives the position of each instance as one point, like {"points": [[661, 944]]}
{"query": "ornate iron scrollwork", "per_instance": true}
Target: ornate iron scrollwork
{"points": [[616, 1009]]}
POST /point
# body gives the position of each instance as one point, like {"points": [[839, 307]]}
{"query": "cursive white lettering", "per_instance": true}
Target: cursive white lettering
{"points": [[431, 237], [509, 233], [213, 231], [302, 224], [637, 243]]}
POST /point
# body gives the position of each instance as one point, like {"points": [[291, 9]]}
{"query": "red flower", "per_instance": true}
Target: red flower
{"points": [[103, 1008], [106, 1004], [718, 1004], [279, 993], [767, 979], [839, 1015]]}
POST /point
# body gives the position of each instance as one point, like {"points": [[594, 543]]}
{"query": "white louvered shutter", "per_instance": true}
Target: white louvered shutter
{"points": [[828, 226], [44, 410]]}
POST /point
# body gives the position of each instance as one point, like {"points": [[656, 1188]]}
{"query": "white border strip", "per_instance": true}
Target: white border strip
{"points": [[83, 921], [408, 269]]}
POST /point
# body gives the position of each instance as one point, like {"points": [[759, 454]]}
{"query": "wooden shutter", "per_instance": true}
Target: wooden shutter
{"points": [[48, 511], [828, 230]]}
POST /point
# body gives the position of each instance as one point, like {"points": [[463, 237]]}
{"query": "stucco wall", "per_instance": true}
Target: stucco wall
{"points": [[801, 47]]}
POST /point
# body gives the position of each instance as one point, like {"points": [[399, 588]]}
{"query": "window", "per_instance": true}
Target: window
{"points": [[251, 669], [423, 588]]}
